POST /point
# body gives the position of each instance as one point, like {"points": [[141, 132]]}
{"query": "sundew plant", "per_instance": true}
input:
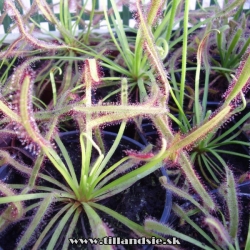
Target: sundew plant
{"points": [[55, 200]]}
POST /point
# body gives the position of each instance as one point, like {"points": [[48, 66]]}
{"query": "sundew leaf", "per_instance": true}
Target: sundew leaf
{"points": [[219, 231], [50, 225], [240, 82], [181, 193], [151, 50], [229, 192], [98, 227], [124, 220], [28, 121], [40, 213], [14, 13], [15, 209], [62, 224], [154, 226], [183, 214], [72, 228], [25, 108]]}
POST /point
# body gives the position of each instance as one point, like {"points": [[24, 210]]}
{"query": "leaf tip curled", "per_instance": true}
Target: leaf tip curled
{"points": [[218, 230], [92, 70], [14, 210]]}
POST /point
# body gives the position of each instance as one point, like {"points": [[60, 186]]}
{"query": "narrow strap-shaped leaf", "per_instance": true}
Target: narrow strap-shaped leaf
{"points": [[25, 109], [219, 231], [62, 224], [151, 49], [72, 228], [229, 192], [199, 133], [166, 230], [181, 193], [7, 111], [233, 44], [67, 158], [50, 225], [40, 213], [181, 213], [241, 81], [29, 124], [124, 220], [98, 228]]}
